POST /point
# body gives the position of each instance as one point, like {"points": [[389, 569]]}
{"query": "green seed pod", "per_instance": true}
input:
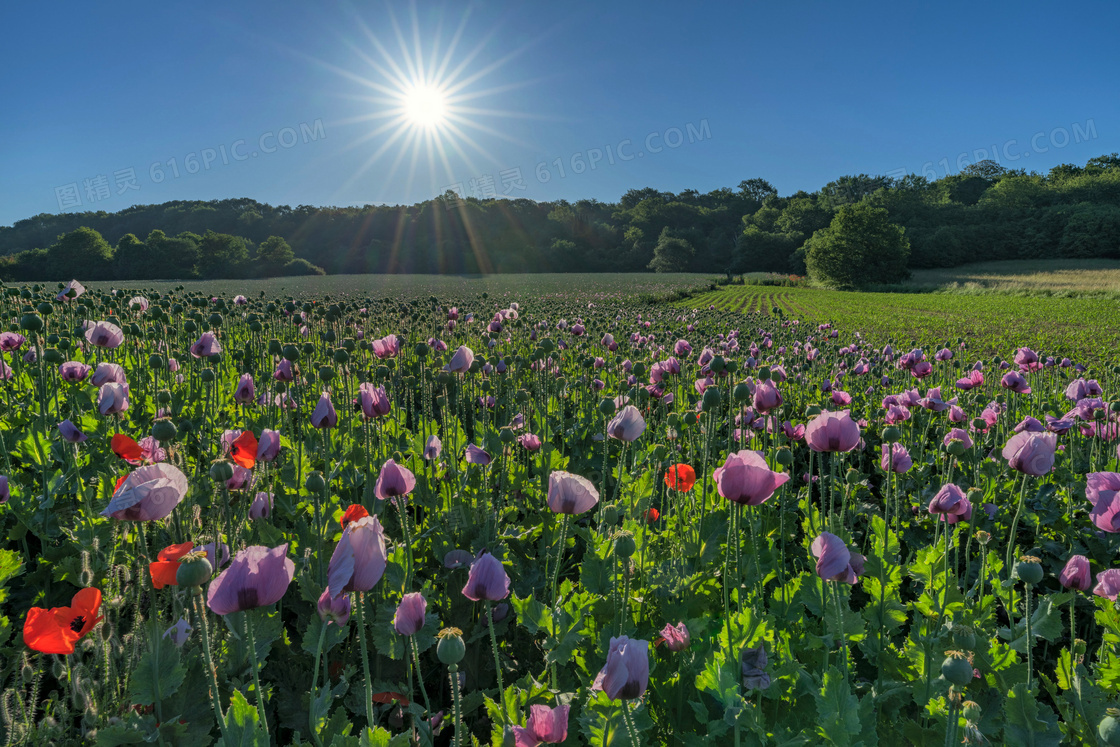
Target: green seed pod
{"points": [[690, 418], [216, 320], [812, 411], [624, 545], [852, 476], [963, 637], [1028, 569], [189, 326], [741, 393], [274, 347], [164, 431], [315, 482], [51, 355], [207, 376], [1109, 728], [291, 353], [610, 515], [639, 369], [718, 364], [506, 435], [45, 308], [712, 399], [972, 711], [194, 570], [892, 434], [326, 373], [451, 648], [956, 448], [607, 407], [31, 322], [308, 348], [957, 670], [221, 471], [763, 373], [660, 451], [784, 457], [163, 396], [155, 362]]}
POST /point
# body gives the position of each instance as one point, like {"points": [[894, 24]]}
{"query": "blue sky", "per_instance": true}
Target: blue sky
{"points": [[287, 102]]}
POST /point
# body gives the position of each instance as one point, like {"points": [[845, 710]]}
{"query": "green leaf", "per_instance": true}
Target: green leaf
{"points": [[837, 710], [243, 726], [1027, 723], [720, 678], [158, 674], [532, 614]]}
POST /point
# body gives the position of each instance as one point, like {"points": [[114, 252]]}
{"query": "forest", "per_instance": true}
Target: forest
{"points": [[985, 212]]}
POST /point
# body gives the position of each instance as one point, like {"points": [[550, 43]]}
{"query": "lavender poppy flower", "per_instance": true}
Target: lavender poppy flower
{"points": [[570, 494], [324, 415], [529, 442], [148, 494], [832, 432], [70, 432], [206, 346], [545, 726], [409, 618], [461, 361], [476, 455], [72, 290], [1031, 453], [246, 390], [107, 373], [394, 481], [333, 609], [626, 673], [257, 577], [373, 400], [5, 491], [178, 633], [676, 637], [268, 445], [104, 335], [627, 425], [1076, 574], [752, 665], [746, 478], [359, 559], [951, 504], [433, 447], [73, 371], [261, 508], [487, 580], [835, 562], [1103, 491], [457, 559], [1108, 584], [895, 458]]}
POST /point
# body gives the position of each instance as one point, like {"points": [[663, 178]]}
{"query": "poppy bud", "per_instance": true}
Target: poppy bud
{"points": [[27, 673], [956, 669], [660, 452], [315, 482], [451, 648], [274, 347], [221, 471], [784, 457], [1028, 570], [983, 537], [624, 545], [690, 418], [852, 477], [892, 434], [506, 435]]}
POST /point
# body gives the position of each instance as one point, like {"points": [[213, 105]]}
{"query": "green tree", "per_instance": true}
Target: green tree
{"points": [[860, 247], [273, 254], [672, 254], [765, 251], [81, 252]]}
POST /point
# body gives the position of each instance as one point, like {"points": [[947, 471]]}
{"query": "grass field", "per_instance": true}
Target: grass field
{"points": [[1057, 276], [1086, 329]]}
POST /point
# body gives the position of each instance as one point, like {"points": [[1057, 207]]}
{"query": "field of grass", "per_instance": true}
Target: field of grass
{"points": [[1057, 276], [418, 286], [1084, 329]]}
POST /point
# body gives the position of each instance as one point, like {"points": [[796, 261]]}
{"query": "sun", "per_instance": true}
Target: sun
{"points": [[425, 106]]}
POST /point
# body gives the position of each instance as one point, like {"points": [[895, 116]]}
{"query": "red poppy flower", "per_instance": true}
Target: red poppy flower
{"points": [[165, 569], [680, 477], [354, 512], [120, 479], [243, 451], [388, 698], [652, 515], [126, 448], [55, 631]]}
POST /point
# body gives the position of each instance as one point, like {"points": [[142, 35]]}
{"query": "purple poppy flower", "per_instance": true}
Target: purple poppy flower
{"points": [[206, 346], [1031, 453], [746, 478], [626, 673], [261, 508], [373, 400], [70, 432], [148, 494], [334, 609], [676, 637], [104, 335], [457, 559], [835, 562], [394, 481], [545, 726], [112, 398], [359, 559], [324, 415], [1076, 574], [246, 390], [461, 361], [895, 458], [570, 494], [529, 442], [627, 425], [73, 371], [432, 447], [257, 577], [951, 504], [409, 618], [752, 665], [476, 455], [1108, 584], [178, 632], [487, 580], [268, 445], [832, 432], [72, 290], [107, 373], [1103, 491]]}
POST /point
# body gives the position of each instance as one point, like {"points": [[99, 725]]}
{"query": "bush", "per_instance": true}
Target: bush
{"points": [[301, 266], [860, 247]]}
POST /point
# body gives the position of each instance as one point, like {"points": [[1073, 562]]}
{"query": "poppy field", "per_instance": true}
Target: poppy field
{"points": [[548, 515]]}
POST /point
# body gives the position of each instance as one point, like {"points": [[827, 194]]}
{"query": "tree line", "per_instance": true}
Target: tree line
{"points": [[985, 212]]}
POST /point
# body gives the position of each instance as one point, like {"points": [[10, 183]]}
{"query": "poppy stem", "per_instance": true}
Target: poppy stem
{"points": [[497, 661], [419, 675], [556, 588], [1015, 524], [256, 668], [365, 659], [453, 670], [629, 721], [215, 702], [311, 725]]}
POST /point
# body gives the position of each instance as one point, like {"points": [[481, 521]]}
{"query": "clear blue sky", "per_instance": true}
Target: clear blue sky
{"points": [[798, 93]]}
